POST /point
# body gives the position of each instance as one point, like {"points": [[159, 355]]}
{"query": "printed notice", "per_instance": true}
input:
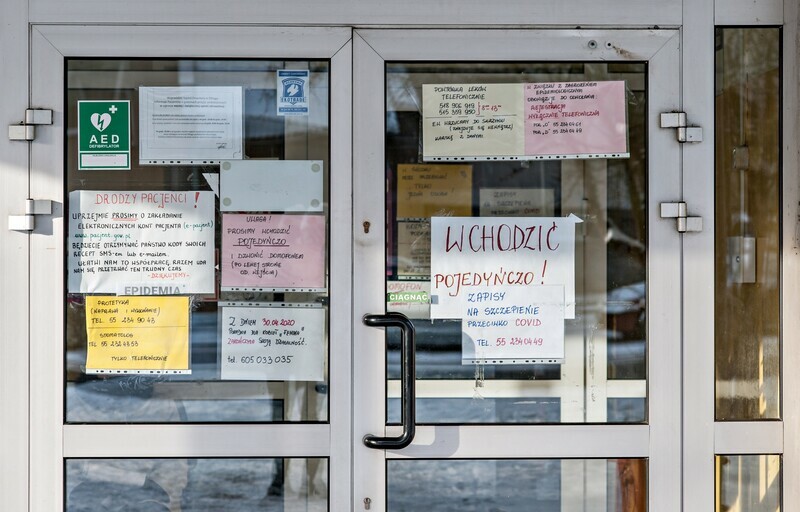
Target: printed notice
{"points": [[471, 254], [160, 241], [435, 190], [472, 121], [517, 202], [104, 135], [273, 252], [412, 298], [513, 325], [273, 343], [137, 334], [189, 125], [576, 120], [524, 121], [293, 92], [414, 248]]}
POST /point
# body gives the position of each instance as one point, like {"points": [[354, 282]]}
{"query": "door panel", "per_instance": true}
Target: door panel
{"points": [[134, 407], [592, 385]]}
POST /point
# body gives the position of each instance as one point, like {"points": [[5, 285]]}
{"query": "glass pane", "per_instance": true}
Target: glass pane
{"points": [[747, 232], [196, 485], [748, 483], [603, 375], [511, 485], [197, 263]]}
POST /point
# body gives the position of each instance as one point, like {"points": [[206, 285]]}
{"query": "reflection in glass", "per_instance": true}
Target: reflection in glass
{"points": [[196, 485], [603, 378], [748, 483], [202, 396], [747, 230], [547, 485]]}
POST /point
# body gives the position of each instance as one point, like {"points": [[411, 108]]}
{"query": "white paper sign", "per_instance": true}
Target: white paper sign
{"points": [[146, 239], [271, 186], [513, 325], [189, 125], [273, 343], [471, 254]]}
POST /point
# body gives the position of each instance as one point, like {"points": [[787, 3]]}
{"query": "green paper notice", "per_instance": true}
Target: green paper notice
{"points": [[104, 135]]}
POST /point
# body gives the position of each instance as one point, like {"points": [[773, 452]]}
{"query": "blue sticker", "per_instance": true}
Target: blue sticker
{"points": [[292, 92]]}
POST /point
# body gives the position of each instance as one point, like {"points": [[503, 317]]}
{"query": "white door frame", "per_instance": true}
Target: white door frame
{"points": [[50, 439], [660, 439]]}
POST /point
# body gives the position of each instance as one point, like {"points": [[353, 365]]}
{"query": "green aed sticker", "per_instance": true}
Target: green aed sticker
{"points": [[408, 297], [104, 135]]}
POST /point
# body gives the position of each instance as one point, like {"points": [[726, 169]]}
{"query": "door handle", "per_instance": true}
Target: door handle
{"points": [[408, 381]]}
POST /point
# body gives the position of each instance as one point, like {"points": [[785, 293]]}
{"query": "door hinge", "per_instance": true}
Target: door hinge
{"points": [[32, 207], [26, 130], [684, 222], [678, 120]]}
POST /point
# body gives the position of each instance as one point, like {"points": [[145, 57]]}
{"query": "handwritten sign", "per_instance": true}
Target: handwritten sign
{"points": [[189, 125], [273, 343], [137, 334], [273, 252], [517, 202], [412, 298], [471, 254], [472, 121], [576, 120], [148, 238], [513, 325], [434, 190], [553, 120], [414, 248], [271, 185]]}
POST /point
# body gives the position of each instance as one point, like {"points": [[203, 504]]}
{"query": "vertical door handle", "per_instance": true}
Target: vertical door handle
{"points": [[408, 381]]}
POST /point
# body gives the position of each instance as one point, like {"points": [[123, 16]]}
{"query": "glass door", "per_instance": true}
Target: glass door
{"points": [[193, 296], [519, 233]]}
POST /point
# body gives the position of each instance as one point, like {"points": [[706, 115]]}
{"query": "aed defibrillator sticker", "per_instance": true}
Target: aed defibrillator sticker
{"points": [[104, 135]]}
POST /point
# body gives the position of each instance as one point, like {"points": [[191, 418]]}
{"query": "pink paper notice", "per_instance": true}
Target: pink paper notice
{"points": [[273, 251], [576, 119]]}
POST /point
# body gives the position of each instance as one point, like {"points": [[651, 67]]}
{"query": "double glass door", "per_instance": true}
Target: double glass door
{"points": [[254, 226]]}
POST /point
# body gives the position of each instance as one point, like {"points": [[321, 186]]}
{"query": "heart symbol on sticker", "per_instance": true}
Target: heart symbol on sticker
{"points": [[100, 122]]}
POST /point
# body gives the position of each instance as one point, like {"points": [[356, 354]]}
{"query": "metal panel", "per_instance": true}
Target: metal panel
{"points": [[748, 12], [190, 441], [14, 263], [698, 263], [184, 41], [550, 441], [46, 397], [364, 12], [790, 255], [664, 289], [740, 437], [517, 45]]}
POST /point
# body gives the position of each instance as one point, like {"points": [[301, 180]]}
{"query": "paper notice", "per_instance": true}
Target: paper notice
{"points": [[435, 190], [471, 254], [517, 202], [152, 238], [137, 334], [273, 252], [414, 248], [412, 298], [273, 343], [472, 121], [189, 125], [513, 325]]}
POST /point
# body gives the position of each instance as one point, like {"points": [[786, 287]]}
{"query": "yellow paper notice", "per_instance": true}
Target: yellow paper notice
{"points": [[137, 334], [436, 190]]}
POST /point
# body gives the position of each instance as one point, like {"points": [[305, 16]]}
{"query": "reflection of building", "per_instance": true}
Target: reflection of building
{"points": [[682, 345]]}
